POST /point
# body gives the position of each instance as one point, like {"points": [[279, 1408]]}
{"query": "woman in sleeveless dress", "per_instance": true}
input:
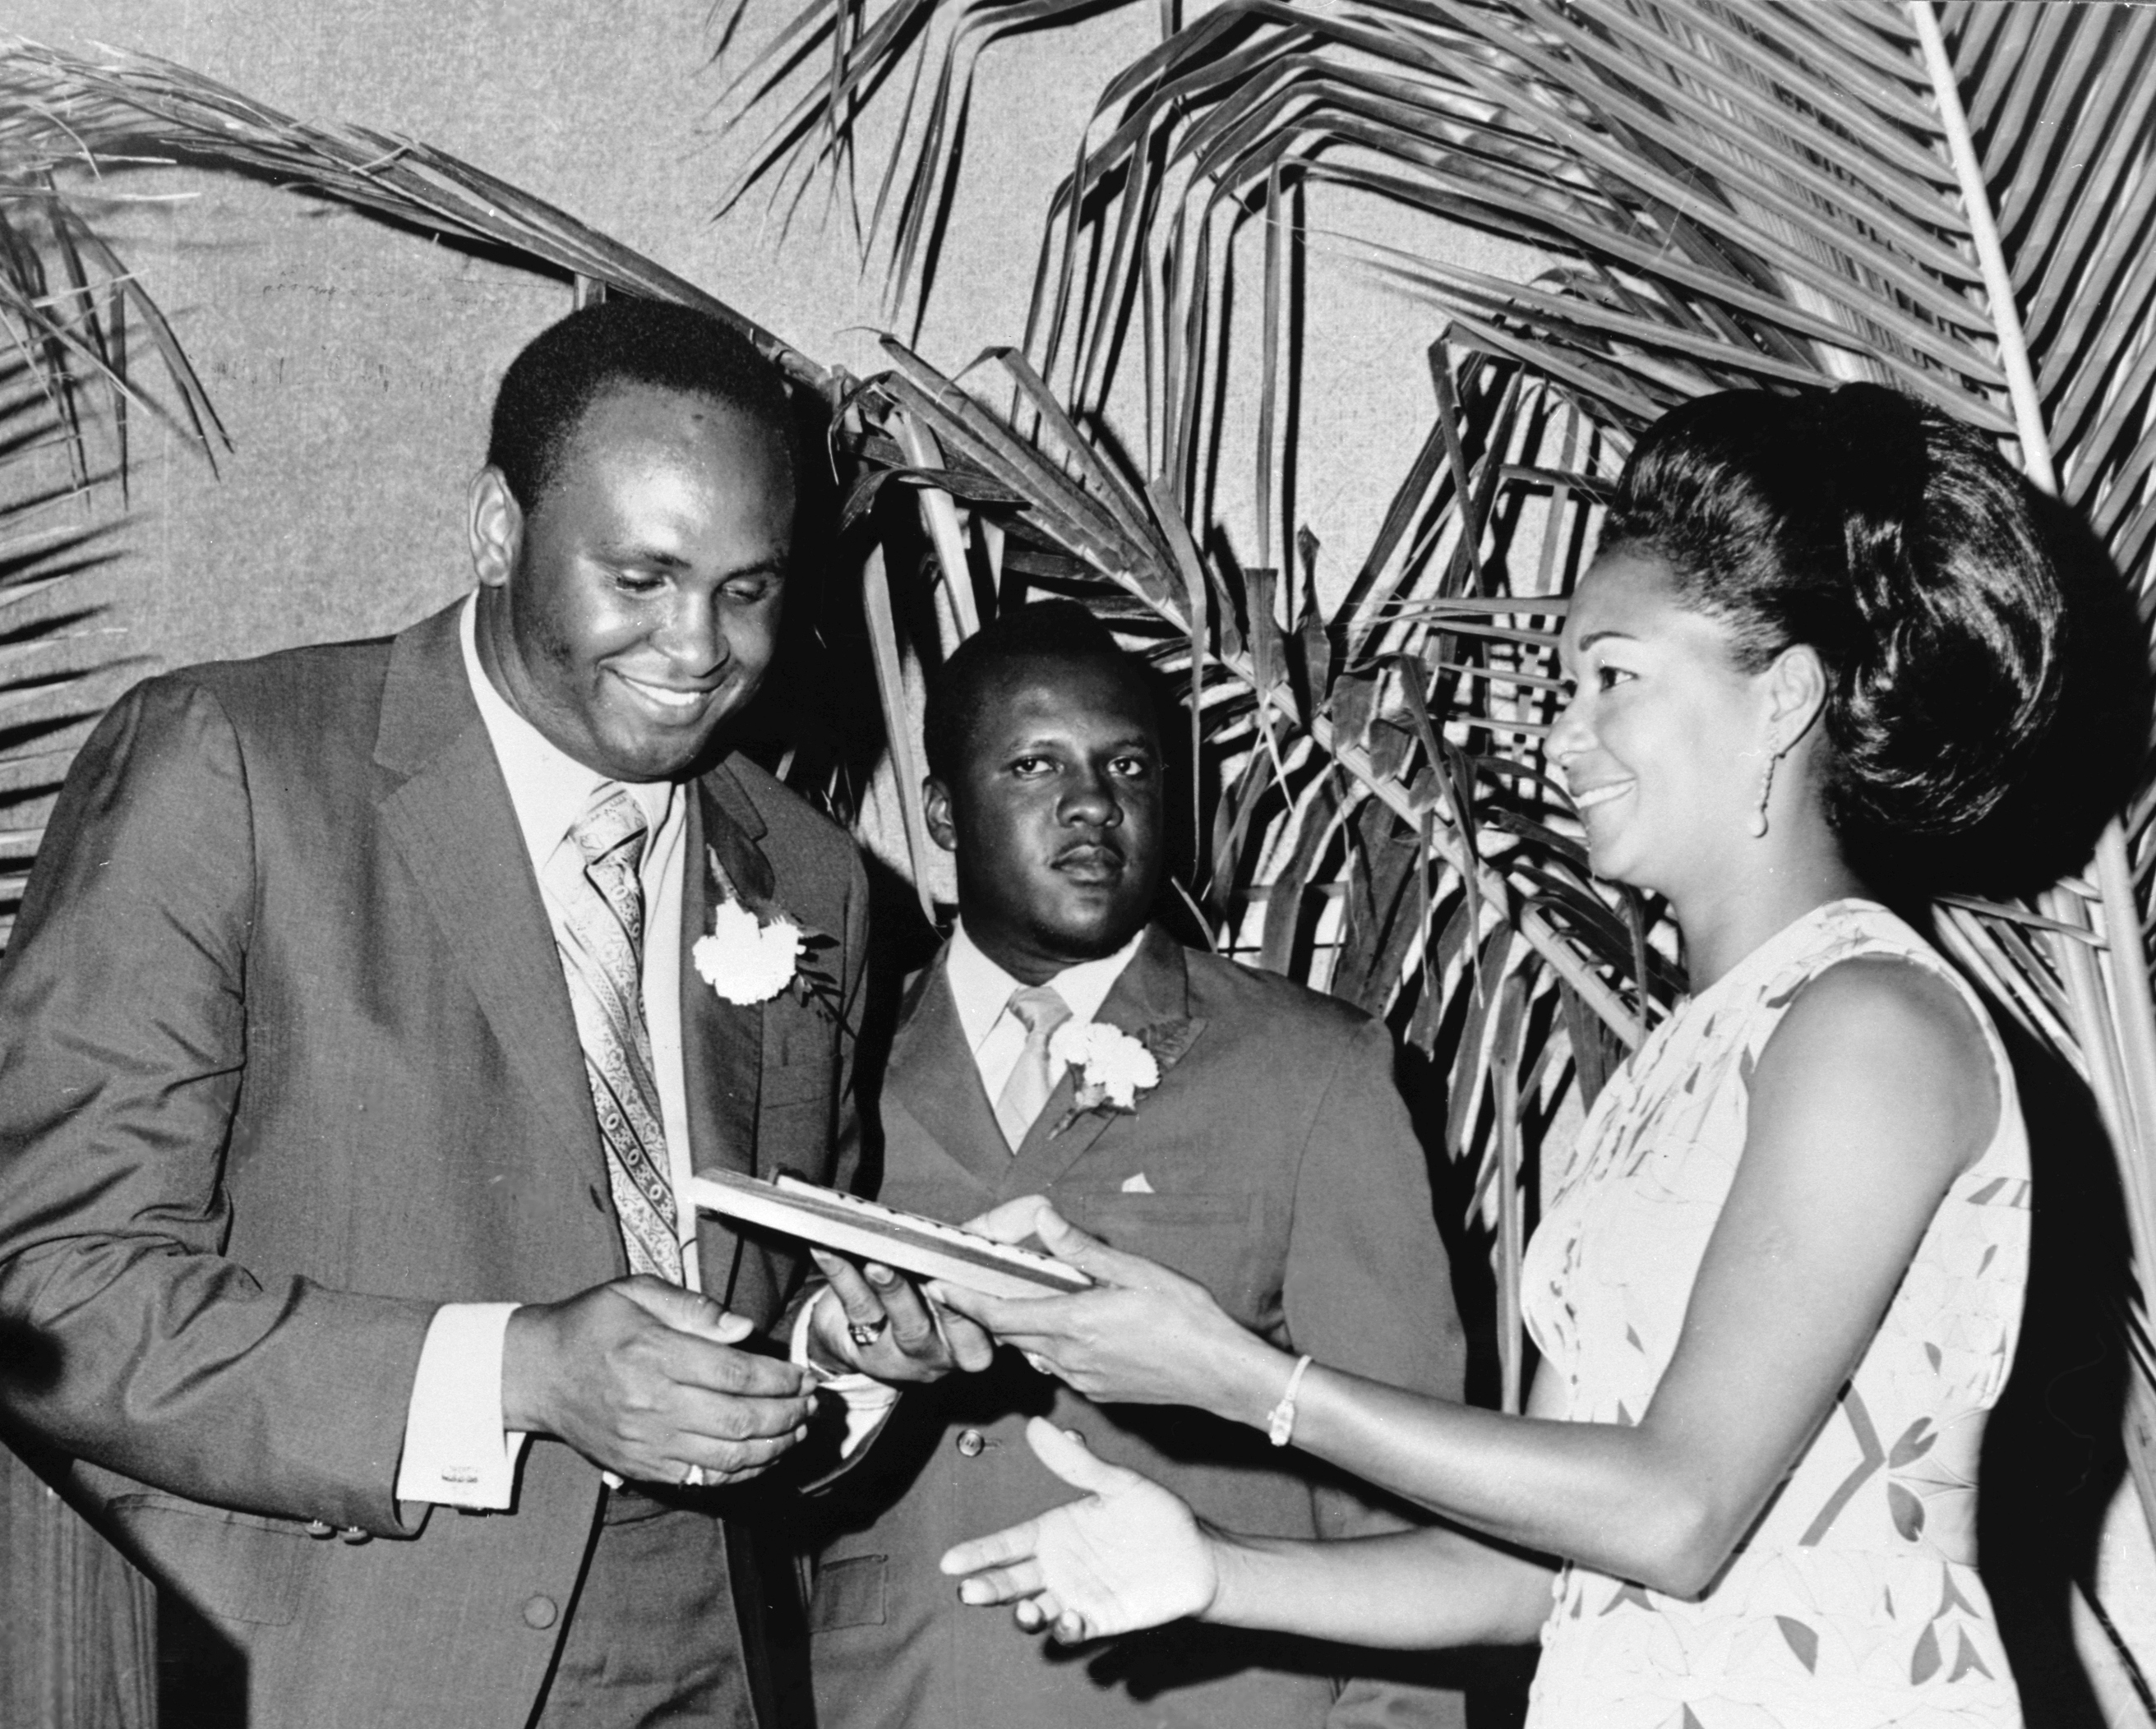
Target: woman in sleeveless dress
{"points": [[1777, 1291]]}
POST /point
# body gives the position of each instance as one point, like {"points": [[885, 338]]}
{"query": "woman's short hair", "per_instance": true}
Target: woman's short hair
{"points": [[1895, 542]]}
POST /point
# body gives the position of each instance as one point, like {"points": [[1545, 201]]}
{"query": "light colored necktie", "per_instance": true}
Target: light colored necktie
{"points": [[1040, 1011], [601, 941]]}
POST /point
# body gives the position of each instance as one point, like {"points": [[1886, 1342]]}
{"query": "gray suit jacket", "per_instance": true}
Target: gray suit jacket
{"points": [[286, 1061], [1279, 1170]]}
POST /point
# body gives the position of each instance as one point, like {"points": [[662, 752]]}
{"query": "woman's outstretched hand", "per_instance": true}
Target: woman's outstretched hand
{"points": [[1130, 1555], [1143, 1335]]}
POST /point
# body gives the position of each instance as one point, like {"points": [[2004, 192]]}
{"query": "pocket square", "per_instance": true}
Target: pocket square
{"points": [[1137, 1185]]}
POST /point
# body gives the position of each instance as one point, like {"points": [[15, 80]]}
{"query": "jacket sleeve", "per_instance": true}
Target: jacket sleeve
{"points": [[124, 1042], [1368, 1288]]}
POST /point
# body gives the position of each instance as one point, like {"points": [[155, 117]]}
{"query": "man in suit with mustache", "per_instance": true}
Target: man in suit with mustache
{"points": [[357, 1041], [1221, 1120]]}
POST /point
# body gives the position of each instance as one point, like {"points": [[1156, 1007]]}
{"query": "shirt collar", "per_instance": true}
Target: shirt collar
{"points": [[983, 990], [548, 787]]}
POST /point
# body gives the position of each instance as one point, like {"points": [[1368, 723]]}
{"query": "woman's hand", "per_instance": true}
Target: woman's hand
{"points": [[1130, 1555], [1144, 1335]]}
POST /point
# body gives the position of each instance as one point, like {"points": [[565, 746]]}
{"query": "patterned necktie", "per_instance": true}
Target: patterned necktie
{"points": [[1040, 1011], [600, 940]]}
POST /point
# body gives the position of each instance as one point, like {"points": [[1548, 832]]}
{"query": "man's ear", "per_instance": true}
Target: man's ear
{"points": [[494, 526], [1796, 693], [935, 806]]}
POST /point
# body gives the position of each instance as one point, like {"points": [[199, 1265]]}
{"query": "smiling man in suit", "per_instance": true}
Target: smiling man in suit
{"points": [[355, 1053], [1270, 1158]]}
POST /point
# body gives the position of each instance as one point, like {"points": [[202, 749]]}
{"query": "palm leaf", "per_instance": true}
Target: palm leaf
{"points": [[75, 319], [70, 304], [57, 106], [58, 665]]}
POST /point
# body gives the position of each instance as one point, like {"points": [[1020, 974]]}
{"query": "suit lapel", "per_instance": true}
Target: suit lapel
{"points": [[1154, 989], [722, 1042], [447, 809], [732, 828], [933, 1074]]}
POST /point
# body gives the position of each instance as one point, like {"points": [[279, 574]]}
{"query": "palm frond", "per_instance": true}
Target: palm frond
{"points": [[59, 667], [2077, 204], [56, 106], [74, 311], [76, 323]]}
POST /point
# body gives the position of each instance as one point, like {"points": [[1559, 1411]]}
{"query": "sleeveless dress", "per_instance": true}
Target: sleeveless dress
{"points": [[1853, 1601]]}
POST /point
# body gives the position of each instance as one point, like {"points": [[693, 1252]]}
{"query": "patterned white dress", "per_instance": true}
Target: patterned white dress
{"points": [[1853, 1601]]}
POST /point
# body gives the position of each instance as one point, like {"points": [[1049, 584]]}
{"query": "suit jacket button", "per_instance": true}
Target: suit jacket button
{"points": [[540, 1613], [356, 1534], [971, 1443], [320, 1527]]}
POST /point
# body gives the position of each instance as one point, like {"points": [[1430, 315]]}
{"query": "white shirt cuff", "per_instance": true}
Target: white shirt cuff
{"points": [[456, 1451], [868, 1400]]}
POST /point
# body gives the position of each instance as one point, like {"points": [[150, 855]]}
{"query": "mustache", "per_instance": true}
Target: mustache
{"points": [[1098, 846]]}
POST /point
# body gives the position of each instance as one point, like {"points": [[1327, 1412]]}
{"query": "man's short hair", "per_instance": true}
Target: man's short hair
{"points": [[1047, 630], [570, 365]]}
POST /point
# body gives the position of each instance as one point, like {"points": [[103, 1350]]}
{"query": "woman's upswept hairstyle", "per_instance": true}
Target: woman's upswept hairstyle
{"points": [[1896, 543]]}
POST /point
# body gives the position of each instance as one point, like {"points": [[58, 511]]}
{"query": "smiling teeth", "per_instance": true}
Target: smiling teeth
{"points": [[1587, 798]]}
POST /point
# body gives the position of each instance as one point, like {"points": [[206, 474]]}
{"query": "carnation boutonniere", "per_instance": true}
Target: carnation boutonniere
{"points": [[754, 953], [1115, 1069]]}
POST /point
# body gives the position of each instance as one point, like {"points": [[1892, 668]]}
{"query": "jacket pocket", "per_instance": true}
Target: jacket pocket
{"points": [[849, 1593], [800, 1054], [1205, 1237], [238, 1567]]}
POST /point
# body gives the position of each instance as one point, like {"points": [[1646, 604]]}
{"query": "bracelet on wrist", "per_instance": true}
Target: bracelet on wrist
{"points": [[1279, 1421]]}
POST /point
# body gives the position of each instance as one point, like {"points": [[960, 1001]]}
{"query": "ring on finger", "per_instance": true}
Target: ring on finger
{"points": [[1040, 1363], [865, 1333], [693, 1477]]}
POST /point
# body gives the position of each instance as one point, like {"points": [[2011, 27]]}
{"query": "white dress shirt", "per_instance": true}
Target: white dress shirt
{"points": [[456, 1450], [983, 991]]}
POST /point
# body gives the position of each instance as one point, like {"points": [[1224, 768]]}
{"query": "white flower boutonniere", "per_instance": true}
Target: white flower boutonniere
{"points": [[1113, 1068], [755, 950], [745, 960]]}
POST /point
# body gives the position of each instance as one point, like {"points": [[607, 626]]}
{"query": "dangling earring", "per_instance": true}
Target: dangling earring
{"points": [[1766, 792]]}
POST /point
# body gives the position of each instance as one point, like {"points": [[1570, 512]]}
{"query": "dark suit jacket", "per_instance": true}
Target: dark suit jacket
{"points": [[1284, 1175], [286, 1061]]}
